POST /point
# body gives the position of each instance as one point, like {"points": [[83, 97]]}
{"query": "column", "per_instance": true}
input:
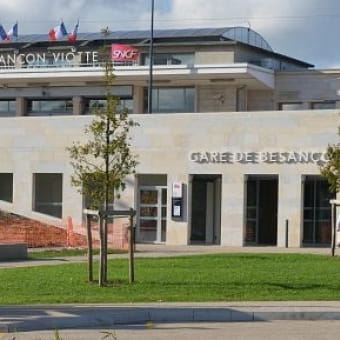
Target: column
{"points": [[77, 105], [290, 206], [233, 211], [20, 106], [138, 94]]}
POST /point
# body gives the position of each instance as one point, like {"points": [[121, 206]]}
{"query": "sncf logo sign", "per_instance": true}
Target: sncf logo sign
{"points": [[124, 53]]}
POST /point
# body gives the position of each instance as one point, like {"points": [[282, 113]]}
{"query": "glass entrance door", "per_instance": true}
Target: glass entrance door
{"points": [[262, 198], [317, 228], [152, 208]]}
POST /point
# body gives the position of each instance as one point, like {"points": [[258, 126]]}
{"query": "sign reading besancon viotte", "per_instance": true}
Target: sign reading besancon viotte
{"points": [[22, 59], [119, 53]]}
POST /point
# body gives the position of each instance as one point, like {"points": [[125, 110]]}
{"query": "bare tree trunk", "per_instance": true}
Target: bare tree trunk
{"points": [[89, 248], [102, 251]]}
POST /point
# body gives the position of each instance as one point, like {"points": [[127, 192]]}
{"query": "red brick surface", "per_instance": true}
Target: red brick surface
{"points": [[18, 229]]}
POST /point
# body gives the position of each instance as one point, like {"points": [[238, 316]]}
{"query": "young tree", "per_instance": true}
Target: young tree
{"points": [[331, 169], [101, 163]]}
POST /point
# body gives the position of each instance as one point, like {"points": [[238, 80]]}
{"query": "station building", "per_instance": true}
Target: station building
{"points": [[231, 154]]}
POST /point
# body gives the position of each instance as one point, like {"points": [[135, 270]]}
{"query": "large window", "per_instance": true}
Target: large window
{"points": [[47, 194], [93, 104], [326, 105], [171, 100], [317, 211], [291, 106], [7, 108], [169, 59], [49, 107], [6, 187]]}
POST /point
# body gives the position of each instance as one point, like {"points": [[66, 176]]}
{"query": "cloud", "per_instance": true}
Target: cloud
{"points": [[304, 29]]}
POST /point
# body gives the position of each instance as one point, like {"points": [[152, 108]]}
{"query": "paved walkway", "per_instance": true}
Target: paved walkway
{"points": [[28, 318], [144, 250], [274, 330]]}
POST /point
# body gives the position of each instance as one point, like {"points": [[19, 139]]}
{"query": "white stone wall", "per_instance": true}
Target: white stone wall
{"points": [[163, 144], [307, 87]]}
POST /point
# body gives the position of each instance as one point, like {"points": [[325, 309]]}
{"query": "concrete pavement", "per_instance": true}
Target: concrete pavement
{"points": [[46, 317], [149, 251], [275, 330]]}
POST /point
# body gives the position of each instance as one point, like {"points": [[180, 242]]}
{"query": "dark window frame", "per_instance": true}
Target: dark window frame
{"points": [[281, 104], [9, 112], [68, 108], [188, 107], [40, 204], [169, 57], [324, 102], [88, 110]]}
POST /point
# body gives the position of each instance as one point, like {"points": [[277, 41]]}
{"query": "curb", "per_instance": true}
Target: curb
{"points": [[47, 318]]}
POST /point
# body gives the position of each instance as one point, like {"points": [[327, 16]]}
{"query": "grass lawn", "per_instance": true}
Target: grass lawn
{"points": [[35, 255], [231, 277]]}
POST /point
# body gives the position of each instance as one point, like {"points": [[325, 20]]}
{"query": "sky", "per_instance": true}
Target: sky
{"points": [[304, 29]]}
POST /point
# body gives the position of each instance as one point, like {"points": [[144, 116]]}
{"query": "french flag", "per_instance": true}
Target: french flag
{"points": [[3, 34], [73, 35], [13, 32], [58, 32]]}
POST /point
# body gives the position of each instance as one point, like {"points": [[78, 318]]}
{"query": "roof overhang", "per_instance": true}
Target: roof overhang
{"points": [[234, 74]]}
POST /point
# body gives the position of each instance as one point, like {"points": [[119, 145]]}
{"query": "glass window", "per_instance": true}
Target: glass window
{"points": [[49, 107], [93, 104], [171, 100], [323, 105], [47, 194], [290, 106], [317, 211], [170, 59], [6, 187], [7, 108]]}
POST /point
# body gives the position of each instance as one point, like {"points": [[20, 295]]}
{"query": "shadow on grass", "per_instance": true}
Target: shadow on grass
{"points": [[111, 283], [303, 286]]}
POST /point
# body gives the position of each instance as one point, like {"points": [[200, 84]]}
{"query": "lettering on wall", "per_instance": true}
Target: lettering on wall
{"points": [[293, 157], [22, 59]]}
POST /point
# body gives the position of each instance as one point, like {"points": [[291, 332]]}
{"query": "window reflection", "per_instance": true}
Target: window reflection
{"points": [[291, 106], [171, 100], [49, 107], [324, 105], [91, 105], [170, 59], [7, 108]]}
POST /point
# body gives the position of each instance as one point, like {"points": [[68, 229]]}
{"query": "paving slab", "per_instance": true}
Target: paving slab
{"points": [[46, 317]]}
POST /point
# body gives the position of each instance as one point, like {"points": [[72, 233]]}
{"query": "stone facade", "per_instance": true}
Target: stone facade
{"points": [[236, 150]]}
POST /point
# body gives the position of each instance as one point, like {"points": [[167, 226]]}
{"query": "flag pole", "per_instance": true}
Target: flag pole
{"points": [[151, 58]]}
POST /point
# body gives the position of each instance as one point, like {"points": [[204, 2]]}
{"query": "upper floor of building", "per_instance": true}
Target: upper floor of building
{"points": [[194, 70]]}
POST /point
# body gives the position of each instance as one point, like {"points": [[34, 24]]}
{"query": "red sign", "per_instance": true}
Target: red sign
{"points": [[124, 53]]}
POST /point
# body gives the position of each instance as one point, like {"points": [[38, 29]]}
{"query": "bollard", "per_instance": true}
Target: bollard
{"points": [[286, 233]]}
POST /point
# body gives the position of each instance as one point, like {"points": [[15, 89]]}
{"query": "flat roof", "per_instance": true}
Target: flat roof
{"points": [[242, 35]]}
